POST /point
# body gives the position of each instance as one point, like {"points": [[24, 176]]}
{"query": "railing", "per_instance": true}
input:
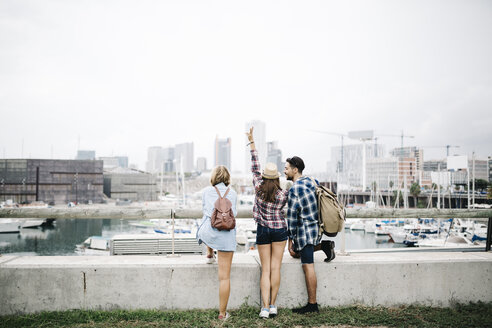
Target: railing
{"points": [[142, 212]]}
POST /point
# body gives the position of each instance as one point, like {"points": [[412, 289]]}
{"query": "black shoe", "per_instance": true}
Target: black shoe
{"points": [[308, 308], [328, 247]]}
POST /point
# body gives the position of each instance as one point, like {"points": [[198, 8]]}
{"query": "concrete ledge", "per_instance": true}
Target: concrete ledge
{"points": [[37, 283]]}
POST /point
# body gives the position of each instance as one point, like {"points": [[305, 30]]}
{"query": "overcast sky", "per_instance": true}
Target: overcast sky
{"points": [[127, 75]]}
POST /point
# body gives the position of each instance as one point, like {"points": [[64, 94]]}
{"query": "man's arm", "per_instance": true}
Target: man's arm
{"points": [[293, 206]]}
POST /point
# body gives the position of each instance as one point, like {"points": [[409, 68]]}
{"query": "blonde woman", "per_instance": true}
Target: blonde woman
{"points": [[223, 241], [271, 229]]}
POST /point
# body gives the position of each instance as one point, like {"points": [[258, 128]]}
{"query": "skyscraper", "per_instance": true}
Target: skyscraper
{"points": [[184, 152], [223, 152], [274, 155], [259, 134]]}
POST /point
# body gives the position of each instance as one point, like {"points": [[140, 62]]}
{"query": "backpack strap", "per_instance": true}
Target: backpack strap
{"points": [[314, 181], [218, 192]]}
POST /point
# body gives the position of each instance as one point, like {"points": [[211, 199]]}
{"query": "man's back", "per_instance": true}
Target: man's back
{"points": [[302, 213]]}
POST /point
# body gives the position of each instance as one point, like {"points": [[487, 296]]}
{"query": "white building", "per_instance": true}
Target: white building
{"points": [[350, 165], [185, 152]]}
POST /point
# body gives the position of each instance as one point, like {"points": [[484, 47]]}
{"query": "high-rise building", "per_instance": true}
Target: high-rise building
{"points": [[114, 161], [490, 169], [184, 155], [350, 168], [259, 134], [391, 172], [86, 155], [223, 152], [154, 159], [274, 155], [407, 152], [168, 159], [201, 164]]}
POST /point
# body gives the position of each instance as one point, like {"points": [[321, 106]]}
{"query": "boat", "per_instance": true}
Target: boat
{"points": [[357, 226], [453, 240], [32, 223], [9, 226], [94, 245]]}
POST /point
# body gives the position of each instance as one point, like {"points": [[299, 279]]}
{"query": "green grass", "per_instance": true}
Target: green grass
{"points": [[470, 315]]}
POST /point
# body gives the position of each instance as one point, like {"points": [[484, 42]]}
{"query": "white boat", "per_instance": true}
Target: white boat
{"points": [[9, 226], [31, 223], [357, 226], [370, 226], [451, 241], [95, 245]]}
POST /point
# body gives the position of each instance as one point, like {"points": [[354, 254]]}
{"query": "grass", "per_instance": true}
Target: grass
{"points": [[470, 315]]}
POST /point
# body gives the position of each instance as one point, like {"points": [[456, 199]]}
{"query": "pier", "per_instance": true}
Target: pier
{"points": [[32, 284]]}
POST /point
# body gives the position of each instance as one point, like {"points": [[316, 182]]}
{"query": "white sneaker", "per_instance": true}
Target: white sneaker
{"points": [[211, 259], [264, 313], [273, 311]]}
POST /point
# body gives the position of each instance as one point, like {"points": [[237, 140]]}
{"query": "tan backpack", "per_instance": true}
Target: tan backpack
{"points": [[331, 213], [222, 217]]}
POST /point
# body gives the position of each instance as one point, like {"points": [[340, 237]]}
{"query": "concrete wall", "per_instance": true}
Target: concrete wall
{"points": [[33, 284]]}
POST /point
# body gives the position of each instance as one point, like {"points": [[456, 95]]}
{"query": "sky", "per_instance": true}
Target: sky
{"points": [[118, 76]]}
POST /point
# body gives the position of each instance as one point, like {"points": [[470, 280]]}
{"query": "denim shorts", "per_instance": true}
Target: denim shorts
{"points": [[265, 235], [307, 254]]}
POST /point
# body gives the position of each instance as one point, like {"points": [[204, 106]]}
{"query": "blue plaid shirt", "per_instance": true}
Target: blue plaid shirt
{"points": [[302, 214]]}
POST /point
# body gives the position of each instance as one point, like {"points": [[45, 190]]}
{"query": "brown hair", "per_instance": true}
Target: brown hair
{"points": [[268, 189], [220, 174]]}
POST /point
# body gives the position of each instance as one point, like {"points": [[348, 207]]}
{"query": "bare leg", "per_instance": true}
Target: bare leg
{"points": [[265, 252], [225, 260], [276, 263], [311, 281], [210, 251]]}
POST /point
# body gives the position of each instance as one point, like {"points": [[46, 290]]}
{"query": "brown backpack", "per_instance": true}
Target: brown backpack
{"points": [[222, 217]]}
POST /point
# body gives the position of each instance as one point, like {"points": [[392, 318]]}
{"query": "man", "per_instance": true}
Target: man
{"points": [[302, 219]]}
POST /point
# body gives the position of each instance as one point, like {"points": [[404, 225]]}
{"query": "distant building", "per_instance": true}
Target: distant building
{"points": [[201, 164], [222, 152], [457, 177], [154, 159], [51, 181], [410, 152], [392, 170], [114, 161], [135, 185], [168, 159], [86, 155], [350, 167], [259, 134], [184, 155], [274, 155], [490, 169]]}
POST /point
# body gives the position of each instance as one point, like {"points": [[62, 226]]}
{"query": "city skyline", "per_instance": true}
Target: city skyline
{"points": [[72, 78]]}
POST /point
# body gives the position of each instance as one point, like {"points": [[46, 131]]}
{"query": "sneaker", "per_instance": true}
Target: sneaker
{"points": [[273, 311], [211, 259], [264, 313], [224, 317], [308, 308]]}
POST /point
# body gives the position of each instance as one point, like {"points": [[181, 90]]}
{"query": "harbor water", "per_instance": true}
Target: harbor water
{"points": [[62, 237]]}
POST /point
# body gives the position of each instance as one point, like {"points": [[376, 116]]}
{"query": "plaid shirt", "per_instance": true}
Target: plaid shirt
{"points": [[302, 214], [267, 214]]}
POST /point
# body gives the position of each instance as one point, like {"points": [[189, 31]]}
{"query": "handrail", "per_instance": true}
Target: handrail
{"points": [[142, 212]]}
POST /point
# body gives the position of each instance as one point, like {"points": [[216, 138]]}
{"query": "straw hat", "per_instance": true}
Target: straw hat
{"points": [[270, 171]]}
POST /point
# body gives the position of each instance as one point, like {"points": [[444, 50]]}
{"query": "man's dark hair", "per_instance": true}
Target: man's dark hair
{"points": [[296, 162]]}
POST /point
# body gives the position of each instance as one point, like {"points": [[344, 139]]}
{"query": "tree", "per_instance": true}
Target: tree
{"points": [[415, 191], [481, 184]]}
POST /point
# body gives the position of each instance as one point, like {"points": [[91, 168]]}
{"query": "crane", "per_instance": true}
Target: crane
{"points": [[341, 135], [402, 136], [446, 146]]}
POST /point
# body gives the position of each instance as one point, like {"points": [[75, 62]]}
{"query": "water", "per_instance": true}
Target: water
{"points": [[64, 235]]}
